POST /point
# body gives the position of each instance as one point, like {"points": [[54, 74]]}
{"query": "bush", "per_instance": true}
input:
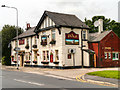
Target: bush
{"points": [[3, 60], [6, 60]]}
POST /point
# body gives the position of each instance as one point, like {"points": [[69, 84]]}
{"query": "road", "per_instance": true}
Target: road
{"points": [[15, 79]]}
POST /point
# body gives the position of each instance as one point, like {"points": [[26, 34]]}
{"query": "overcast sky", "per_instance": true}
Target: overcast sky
{"points": [[31, 10]]}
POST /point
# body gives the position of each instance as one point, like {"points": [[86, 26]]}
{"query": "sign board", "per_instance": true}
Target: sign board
{"points": [[44, 40], [21, 42], [107, 47], [71, 38]]}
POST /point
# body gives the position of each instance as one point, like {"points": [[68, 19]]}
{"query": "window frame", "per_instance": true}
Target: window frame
{"points": [[106, 56], [116, 56], [35, 55], [44, 56], [56, 55], [109, 55]]}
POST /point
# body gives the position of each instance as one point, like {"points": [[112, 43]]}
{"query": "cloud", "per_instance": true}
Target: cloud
{"points": [[32, 10]]}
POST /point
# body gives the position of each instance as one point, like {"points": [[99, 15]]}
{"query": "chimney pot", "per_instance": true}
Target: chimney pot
{"points": [[28, 26]]}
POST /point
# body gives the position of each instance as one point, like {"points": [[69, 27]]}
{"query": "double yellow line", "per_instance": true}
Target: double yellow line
{"points": [[79, 79]]}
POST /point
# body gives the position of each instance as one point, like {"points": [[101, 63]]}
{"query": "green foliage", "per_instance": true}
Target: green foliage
{"points": [[8, 33], [106, 74], [108, 24], [3, 60]]}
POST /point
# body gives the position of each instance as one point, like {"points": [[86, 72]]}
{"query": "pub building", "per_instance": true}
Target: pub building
{"points": [[54, 42], [63, 41]]}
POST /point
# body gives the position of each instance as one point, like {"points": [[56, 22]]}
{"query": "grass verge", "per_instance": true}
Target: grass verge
{"points": [[106, 74]]}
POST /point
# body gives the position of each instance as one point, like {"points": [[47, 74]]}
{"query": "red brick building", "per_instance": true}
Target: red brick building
{"points": [[106, 46]]}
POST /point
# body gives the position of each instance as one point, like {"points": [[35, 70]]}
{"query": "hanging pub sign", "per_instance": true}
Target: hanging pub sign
{"points": [[71, 38], [44, 40], [21, 42]]}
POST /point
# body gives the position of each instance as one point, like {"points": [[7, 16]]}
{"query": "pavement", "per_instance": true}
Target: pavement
{"points": [[70, 74]]}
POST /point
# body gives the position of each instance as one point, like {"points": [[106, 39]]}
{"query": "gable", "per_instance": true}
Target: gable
{"points": [[59, 20], [47, 22], [111, 36]]}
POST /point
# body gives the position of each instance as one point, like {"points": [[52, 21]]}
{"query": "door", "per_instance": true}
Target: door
{"points": [[51, 57], [91, 60], [21, 60]]}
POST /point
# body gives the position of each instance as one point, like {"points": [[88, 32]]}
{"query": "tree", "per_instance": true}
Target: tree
{"points": [[8, 33], [108, 24]]}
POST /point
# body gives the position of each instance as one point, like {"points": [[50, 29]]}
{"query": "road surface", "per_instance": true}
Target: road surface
{"points": [[15, 79]]}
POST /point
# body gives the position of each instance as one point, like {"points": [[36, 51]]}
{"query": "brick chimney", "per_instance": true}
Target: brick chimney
{"points": [[28, 26]]}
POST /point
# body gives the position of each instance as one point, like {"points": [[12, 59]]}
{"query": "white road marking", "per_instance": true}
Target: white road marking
{"points": [[34, 83], [58, 77]]}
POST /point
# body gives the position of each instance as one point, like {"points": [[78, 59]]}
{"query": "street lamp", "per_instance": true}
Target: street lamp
{"points": [[17, 29]]}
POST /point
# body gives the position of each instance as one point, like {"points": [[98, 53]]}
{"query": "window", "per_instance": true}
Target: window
{"points": [[16, 43], [53, 34], [27, 56], [27, 41], [69, 56], [109, 55], [105, 55], [47, 55], [44, 33], [43, 55], [115, 56], [36, 40], [84, 35], [57, 55], [35, 55]]}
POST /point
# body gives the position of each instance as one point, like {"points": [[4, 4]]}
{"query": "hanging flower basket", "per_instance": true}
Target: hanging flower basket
{"points": [[52, 42], [27, 61], [35, 62], [34, 46], [44, 62], [27, 46]]}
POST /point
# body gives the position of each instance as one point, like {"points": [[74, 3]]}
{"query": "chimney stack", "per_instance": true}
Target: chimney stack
{"points": [[28, 26], [100, 25]]}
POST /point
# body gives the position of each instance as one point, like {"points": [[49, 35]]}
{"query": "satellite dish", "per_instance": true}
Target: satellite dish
{"points": [[96, 23]]}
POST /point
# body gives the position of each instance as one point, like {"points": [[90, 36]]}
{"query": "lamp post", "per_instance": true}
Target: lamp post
{"points": [[17, 29]]}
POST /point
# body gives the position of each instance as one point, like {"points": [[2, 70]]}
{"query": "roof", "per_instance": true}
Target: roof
{"points": [[29, 32], [61, 19], [96, 37]]}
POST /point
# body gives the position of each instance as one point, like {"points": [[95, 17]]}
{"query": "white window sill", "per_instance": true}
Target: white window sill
{"points": [[115, 59]]}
